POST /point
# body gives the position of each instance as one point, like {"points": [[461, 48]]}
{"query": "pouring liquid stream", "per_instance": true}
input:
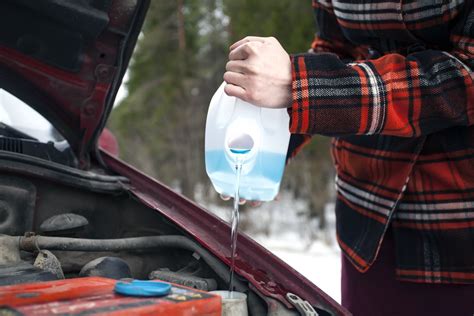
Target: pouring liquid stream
{"points": [[235, 214], [239, 147]]}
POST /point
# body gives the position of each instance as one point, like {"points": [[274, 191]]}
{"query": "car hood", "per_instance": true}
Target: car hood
{"points": [[67, 58]]}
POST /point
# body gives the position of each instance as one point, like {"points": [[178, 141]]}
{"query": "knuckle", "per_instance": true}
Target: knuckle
{"points": [[251, 69], [253, 47], [247, 69], [244, 97], [248, 48], [251, 94]]}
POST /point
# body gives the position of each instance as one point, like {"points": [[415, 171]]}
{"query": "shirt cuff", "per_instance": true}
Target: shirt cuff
{"points": [[326, 96], [299, 110]]}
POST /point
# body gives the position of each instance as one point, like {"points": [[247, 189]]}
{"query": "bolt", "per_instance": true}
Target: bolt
{"points": [[89, 109], [102, 72]]}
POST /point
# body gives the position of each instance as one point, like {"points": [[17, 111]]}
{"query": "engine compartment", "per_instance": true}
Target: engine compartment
{"points": [[28, 204]]}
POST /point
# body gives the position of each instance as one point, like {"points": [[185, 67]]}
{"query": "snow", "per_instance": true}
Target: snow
{"points": [[282, 227], [21, 116], [122, 93], [320, 264]]}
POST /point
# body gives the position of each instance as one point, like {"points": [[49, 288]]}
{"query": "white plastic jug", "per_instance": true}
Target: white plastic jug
{"points": [[237, 131]]}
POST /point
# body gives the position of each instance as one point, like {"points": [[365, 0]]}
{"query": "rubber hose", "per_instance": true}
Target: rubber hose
{"points": [[127, 244], [133, 244]]}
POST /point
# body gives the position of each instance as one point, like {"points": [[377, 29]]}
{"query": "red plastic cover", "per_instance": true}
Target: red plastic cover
{"points": [[95, 296]]}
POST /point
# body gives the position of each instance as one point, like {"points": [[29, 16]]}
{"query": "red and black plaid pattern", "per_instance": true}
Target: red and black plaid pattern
{"points": [[392, 81]]}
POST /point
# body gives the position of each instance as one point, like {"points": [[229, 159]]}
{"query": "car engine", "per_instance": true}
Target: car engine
{"points": [[68, 228]]}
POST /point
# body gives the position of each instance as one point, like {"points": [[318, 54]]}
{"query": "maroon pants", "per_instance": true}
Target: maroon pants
{"points": [[378, 293]]}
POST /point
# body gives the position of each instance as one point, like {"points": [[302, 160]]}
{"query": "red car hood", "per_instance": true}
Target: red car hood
{"points": [[66, 59]]}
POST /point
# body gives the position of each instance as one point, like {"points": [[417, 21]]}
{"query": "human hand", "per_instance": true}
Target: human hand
{"points": [[242, 201], [259, 72]]}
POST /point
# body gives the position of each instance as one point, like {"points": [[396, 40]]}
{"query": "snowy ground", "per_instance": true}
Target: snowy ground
{"points": [[295, 239], [320, 264]]}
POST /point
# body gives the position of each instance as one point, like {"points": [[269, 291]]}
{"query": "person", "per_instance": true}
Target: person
{"points": [[392, 82]]}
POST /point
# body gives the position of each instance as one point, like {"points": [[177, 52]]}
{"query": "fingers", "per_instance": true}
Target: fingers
{"points": [[255, 203], [240, 53], [235, 78], [236, 66], [235, 91], [237, 69], [246, 40], [225, 197], [242, 201]]}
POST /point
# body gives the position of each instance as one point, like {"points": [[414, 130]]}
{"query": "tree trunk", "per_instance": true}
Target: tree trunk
{"points": [[181, 30]]}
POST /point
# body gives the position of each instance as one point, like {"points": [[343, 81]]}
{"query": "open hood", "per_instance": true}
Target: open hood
{"points": [[67, 58]]}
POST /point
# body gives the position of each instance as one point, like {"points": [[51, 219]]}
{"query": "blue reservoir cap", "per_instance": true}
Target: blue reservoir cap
{"points": [[142, 288]]}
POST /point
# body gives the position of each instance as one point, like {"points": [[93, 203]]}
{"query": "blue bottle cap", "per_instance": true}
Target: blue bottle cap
{"points": [[142, 288]]}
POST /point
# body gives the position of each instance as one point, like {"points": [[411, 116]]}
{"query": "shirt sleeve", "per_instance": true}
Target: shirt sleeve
{"points": [[328, 39], [397, 95]]}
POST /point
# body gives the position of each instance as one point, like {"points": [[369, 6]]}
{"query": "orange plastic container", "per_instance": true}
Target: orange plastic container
{"points": [[96, 296]]}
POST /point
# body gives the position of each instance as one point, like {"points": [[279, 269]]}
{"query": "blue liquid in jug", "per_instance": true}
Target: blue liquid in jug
{"points": [[260, 184]]}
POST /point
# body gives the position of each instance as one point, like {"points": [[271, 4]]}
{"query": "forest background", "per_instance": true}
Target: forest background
{"points": [[177, 66]]}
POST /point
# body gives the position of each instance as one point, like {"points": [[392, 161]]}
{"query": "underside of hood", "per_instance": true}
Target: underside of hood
{"points": [[66, 59]]}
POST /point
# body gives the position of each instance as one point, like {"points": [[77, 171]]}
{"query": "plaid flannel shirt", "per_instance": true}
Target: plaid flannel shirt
{"points": [[392, 82]]}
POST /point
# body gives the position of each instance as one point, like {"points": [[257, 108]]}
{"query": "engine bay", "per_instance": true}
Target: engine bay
{"points": [[50, 231]]}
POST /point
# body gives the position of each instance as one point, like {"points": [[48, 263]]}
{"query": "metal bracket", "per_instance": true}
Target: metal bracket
{"points": [[303, 307]]}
